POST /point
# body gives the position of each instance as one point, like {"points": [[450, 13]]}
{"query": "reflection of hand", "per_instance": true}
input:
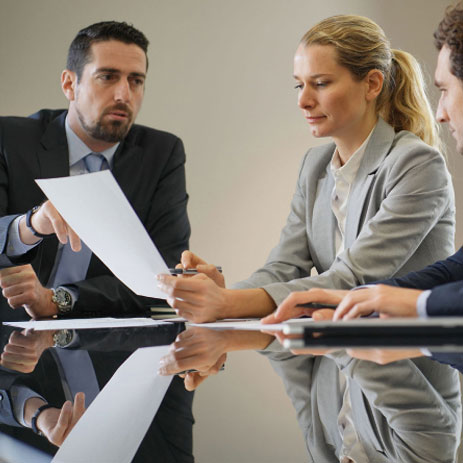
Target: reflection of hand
{"points": [[190, 260], [287, 309], [197, 298], [195, 378], [205, 349], [195, 349], [319, 315], [24, 349], [384, 356], [55, 424], [389, 301], [21, 287], [47, 221]]}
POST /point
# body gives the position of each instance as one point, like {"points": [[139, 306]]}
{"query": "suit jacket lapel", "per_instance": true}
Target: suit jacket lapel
{"points": [[377, 149], [53, 153], [324, 222], [128, 156]]}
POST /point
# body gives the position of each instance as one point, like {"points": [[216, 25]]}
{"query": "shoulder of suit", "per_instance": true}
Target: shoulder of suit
{"points": [[408, 145], [140, 132], [40, 119]]}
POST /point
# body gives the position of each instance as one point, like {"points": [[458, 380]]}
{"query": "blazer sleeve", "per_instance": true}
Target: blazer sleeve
{"points": [[167, 224], [445, 280]]}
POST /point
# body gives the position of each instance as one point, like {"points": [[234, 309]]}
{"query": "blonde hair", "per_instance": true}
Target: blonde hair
{"points": [[361, 46]]}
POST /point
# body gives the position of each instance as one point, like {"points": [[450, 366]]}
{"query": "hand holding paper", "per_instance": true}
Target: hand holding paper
{"points": [[95, 207]]}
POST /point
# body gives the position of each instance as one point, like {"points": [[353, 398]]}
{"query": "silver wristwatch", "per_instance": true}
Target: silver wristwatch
{"points": [[62, 338], [62, 299]]}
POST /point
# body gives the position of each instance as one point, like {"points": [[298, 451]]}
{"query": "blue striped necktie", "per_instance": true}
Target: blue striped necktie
{"points": [[73, 266]]}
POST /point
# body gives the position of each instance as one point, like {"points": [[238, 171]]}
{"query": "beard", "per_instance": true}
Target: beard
{"points": [[108, 131]]}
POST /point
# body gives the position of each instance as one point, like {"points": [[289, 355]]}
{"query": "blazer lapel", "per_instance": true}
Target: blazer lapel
{"points": [[377, 149], [324, 222], [127, 160], [53, 159], [53, 153]]}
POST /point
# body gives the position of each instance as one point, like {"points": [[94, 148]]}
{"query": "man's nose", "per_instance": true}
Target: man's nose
{"points": [[122, 91], [441, 113]]}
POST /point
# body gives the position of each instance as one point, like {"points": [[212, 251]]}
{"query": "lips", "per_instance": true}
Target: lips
{"points": [[314, 119], [119, 113]]}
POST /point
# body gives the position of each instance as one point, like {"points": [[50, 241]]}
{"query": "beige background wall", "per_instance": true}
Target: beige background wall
{"points": [[220, 78]]}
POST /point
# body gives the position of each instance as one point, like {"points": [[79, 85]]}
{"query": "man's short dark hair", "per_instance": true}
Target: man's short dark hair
{"points": [[450, 33], [79, 53]]}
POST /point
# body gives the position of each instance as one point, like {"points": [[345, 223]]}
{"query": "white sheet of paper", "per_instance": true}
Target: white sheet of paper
{"points": [[98, 211], [114, 425], [85, 323], [252, 324]]}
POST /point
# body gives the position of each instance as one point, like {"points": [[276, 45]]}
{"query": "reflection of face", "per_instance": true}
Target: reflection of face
{"points": [[108, 96], [450, 108], [332, 101]]}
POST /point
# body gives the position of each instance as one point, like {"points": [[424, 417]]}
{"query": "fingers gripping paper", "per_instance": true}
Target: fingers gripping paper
{"points": [[115, 423], [97, 210]]}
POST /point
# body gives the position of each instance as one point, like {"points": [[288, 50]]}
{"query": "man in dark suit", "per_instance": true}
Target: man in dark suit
{"points": [[43, 270], [436, 290], [105, 87]]}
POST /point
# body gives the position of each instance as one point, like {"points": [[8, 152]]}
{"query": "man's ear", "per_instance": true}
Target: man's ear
{"points": [[68, 84], [374, 81]]}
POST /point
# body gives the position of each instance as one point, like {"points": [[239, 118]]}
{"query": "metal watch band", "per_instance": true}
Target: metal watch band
{"points": [[62, 299]]}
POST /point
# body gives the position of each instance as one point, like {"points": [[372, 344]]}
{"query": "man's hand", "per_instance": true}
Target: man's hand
{"points": [[319, 315], [198, 298], [190, 260], [24, 349], [288, 308], [21, 287], [55, 424], [389, 301], [47, 221]]}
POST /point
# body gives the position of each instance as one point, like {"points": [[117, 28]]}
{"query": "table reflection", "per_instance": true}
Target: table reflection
{"points": [[34, 371]]}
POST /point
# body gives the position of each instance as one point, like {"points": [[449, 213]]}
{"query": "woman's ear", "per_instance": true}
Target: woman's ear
{"points": [[374, 83]]}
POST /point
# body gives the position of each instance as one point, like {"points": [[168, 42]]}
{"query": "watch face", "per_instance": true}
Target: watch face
{"points": [[62, 338], [63, 300]]}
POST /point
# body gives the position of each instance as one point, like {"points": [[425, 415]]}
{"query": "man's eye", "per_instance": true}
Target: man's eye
{"points": [[321, 84], [298, 86], [105, 76]]}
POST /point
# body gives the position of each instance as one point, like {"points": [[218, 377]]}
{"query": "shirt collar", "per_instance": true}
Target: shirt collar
{"points": [[349, 170], [78, 149]]}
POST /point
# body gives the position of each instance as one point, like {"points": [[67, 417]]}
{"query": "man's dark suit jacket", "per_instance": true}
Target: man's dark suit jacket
{"points": [[445, 280], [149, 167]]}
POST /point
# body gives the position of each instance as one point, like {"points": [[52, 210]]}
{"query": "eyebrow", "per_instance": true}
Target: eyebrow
{"points": [[118, 71], [314, 76]]}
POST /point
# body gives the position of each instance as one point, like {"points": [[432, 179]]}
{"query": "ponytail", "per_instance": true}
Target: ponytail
{"points": [[403, 102]]}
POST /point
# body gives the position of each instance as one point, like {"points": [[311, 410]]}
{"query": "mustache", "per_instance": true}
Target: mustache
{"points": [[119, 107]]}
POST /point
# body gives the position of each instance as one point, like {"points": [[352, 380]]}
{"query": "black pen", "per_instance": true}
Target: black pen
{"points": [[317, 305], [184, 372], [188, 271]]}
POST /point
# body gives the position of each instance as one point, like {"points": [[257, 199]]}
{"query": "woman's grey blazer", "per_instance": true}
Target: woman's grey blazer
{"points": [[400, 217]]}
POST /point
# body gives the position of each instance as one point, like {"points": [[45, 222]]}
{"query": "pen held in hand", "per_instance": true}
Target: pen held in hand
{"points": [[317, 305], [184, 372], [188, 271]]}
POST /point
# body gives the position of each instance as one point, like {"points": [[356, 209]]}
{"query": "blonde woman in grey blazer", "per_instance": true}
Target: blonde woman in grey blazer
{"points": [[392, 213]]}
